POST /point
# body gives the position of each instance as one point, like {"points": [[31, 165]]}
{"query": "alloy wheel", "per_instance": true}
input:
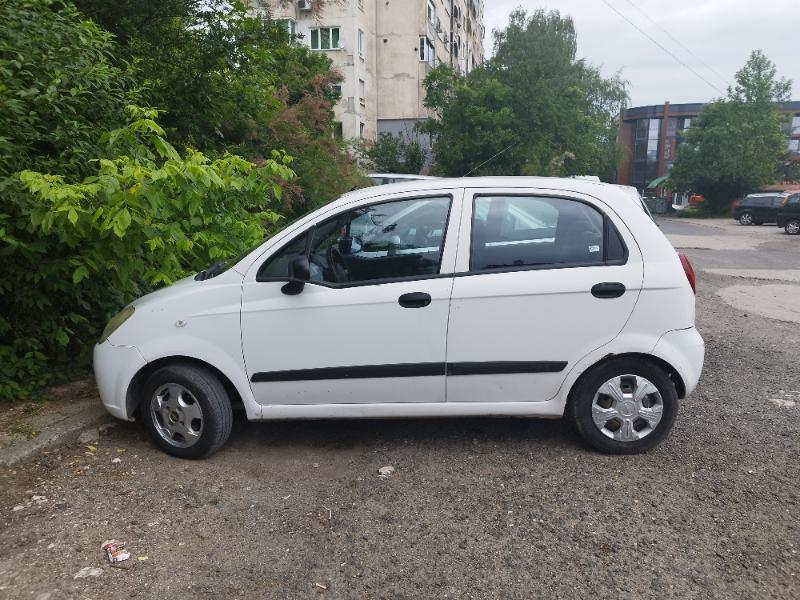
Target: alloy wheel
{"points": [[177, 415]]}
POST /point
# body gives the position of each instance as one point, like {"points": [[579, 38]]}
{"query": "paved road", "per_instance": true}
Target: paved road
{"points": [[475, 509]]}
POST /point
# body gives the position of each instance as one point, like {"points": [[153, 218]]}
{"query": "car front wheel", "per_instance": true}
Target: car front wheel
{"points": [[746, 219], [792, 227], [186, 410], [625, 406]]}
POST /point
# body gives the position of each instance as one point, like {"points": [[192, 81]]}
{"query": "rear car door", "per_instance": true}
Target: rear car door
{"points": [[370, 327], [547, 279]]}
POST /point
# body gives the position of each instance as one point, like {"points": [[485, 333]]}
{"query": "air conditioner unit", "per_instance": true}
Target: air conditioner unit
{"points": [[304, 4]]}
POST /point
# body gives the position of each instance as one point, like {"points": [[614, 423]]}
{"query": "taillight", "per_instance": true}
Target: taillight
{"points": [[687, 268]]}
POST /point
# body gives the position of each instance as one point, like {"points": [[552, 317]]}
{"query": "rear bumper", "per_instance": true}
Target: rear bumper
{"points": [[685, 350], [114, 368]]}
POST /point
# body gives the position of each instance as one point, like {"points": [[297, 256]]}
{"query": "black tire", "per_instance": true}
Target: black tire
{"points": [[210, 394], [792, 227], [579, 407], [746, 218]]}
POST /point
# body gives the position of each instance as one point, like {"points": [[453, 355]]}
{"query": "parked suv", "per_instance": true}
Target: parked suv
{"points": [[789, 214], [519, 297], [757, 209]]}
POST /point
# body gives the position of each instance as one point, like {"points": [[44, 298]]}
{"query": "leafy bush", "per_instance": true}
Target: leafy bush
{"points": [[394, 154], [146, 218]]}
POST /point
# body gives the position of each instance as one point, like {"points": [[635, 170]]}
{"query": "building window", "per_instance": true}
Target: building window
{"points": [[796, 125], [431, 13], [338, 130], [325, 38], [794, 146], [362, 93], [288, 25], [427, 51], [361, 129], [361, 43], [645, 152]]}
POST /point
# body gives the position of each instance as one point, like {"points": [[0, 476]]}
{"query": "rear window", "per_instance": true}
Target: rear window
{"points": [[510, 232]]}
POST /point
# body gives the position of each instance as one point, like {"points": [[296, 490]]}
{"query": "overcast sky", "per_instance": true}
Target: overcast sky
{"points": [[720, 33]]}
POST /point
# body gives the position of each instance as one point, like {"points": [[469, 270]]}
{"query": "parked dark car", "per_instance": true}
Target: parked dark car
{"points": [[789, 214], [757, 209]]}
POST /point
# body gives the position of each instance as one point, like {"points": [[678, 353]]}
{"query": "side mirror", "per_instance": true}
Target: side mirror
{"points": [[299, 274]]}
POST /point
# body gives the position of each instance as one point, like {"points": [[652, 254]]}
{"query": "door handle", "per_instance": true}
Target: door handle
{"points": [[608, 290], [415, 300]]}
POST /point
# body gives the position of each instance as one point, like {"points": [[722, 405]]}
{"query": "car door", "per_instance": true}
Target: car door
{"points": [[370, 326], [547, 280]]}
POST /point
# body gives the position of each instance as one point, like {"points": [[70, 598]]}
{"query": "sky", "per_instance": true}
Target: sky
{"points": [[719, 33]]}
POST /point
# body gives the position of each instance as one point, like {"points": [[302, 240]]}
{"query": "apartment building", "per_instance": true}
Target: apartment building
{"points": [[384, 49]]}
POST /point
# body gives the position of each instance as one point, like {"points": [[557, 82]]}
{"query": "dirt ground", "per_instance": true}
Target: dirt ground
{"points": [[475, 508]]}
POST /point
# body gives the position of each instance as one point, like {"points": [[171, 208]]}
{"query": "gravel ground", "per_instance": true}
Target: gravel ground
{"points": [[475, 508]]}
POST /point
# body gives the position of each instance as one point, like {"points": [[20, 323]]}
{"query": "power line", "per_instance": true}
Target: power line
{"points": [[656, 42], [677, 41]]}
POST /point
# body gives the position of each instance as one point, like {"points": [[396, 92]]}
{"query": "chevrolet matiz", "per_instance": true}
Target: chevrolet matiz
{"points": [[524, 297]]}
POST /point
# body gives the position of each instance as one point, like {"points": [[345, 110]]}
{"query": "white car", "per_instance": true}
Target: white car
{"points": [[524, 297]]}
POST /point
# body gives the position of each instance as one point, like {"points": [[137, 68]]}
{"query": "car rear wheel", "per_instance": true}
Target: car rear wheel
{"points": [[624, 406], [186, 410], [792, 227], [746, 218]]}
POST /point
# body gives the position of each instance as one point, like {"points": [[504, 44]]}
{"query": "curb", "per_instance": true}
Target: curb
{"points": [[57, 434]]}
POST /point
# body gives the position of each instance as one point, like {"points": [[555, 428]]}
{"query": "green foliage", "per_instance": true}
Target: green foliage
{"points": [[532, 109], [737, 144], [394, 154], [77, 252], [229, 81], [58, 87]]}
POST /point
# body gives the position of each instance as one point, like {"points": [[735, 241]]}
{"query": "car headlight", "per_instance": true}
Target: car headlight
{"points": [[116, 321]]}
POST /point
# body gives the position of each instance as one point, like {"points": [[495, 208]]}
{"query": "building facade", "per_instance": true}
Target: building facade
{"points": [[384, 49], [650, 135]]}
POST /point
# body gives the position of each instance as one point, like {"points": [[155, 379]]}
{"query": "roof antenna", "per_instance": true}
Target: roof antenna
{"points": [[491, 159]]}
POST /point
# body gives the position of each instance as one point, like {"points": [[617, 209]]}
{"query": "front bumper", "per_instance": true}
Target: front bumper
{"points": [[685, 350], [114, 368]]}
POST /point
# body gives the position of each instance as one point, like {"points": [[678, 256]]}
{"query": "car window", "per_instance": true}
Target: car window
{"points": [[277, 266], [391, 240], [794, 200], [525, 231]]}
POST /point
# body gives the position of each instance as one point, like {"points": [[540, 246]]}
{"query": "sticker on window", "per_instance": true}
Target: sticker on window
{"points": [[594, 249]]}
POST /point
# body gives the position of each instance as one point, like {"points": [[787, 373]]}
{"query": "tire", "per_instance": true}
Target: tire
{"points": [[584, 412], [746, 218], [758, 222], [792, 226], [186, 411]]}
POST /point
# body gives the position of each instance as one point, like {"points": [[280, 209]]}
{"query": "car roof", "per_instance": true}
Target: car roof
{"points": [[767, 194], [401, 176], [442, 183]]}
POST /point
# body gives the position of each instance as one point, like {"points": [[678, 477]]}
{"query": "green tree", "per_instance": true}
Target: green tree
{"points": [[737, 144], [229, 80], [532, 109], [394, 154]]}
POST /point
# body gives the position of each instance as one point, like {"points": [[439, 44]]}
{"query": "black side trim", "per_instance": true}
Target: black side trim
{"points": [[362, 372], [411, 370], [504, 367]]}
